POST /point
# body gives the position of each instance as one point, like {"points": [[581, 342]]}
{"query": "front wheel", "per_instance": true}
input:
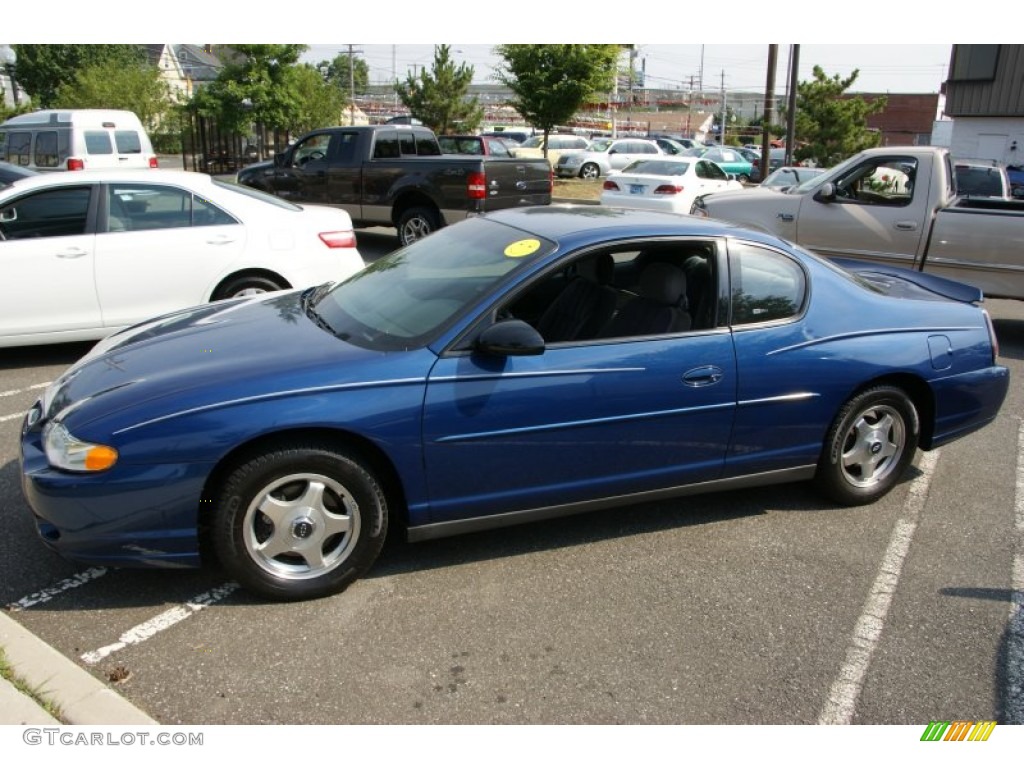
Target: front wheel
{"points": [[590, 171], [869, 446], [743, 178], [299, 521], [416, 223]]}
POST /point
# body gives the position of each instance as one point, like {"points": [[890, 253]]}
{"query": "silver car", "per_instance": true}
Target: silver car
{"points": [[605, 156]]}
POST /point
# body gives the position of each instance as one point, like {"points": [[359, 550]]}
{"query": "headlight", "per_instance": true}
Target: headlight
{"points": [[65, 451]]}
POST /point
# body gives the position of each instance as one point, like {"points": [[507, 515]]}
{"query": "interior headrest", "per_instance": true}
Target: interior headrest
{"points": [[663, 283], [600, 269]]}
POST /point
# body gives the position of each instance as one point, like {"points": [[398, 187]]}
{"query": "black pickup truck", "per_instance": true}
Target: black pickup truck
{"points": [[396, 175]]}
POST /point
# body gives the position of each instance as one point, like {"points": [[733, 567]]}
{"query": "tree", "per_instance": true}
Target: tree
{"points": [[338, 73], [828, 125], [253, 87], [111, 85], [43, 69], [551, 82], [440, 97], [319, 103]]}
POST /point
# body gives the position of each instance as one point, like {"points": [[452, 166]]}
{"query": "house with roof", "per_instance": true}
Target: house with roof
{"points": [[185, 68]]}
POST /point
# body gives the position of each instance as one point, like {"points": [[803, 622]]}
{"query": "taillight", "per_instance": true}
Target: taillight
{"points": [[476, 185], [668, 189], [991, 335], [153, 162], [76, 164], [551, 181], [610, 186], [343, 239]]}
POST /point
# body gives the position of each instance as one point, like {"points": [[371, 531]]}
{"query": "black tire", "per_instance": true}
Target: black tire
{"points": [[743, 178], [869, 446], [590, 171], [416, 223], [248, 285], [298, 522]]}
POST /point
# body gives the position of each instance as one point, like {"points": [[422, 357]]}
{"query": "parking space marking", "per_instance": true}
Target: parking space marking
{"points": [[1014, 697], [30, 388], [49, 593], [165, 620], [841, 703]]}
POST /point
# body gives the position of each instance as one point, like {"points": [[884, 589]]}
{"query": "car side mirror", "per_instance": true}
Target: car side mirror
{"points": [[826, 193], [510, 338]]}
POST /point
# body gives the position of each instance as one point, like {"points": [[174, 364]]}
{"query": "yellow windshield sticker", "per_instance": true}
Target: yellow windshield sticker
{"points": [[521, 248]]}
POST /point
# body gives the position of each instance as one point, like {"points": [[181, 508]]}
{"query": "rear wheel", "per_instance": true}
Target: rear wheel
{"points": [[248, 285], [416, 223], [869, 446], [299, 521], [743, 178]]}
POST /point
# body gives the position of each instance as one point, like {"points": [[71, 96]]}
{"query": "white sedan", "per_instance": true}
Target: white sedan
{"points": [[665, 184], [86, 253]]}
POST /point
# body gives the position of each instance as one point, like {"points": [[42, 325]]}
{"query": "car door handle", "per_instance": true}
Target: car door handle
{"points": [[907, 226], [220, 240], [703, 376], [784, 216], [72, 253]]}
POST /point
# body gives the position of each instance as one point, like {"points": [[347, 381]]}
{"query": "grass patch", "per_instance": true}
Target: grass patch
{"points": [[8, 674]]}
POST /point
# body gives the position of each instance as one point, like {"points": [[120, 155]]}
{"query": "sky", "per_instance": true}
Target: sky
{"points": [[915, 68]]}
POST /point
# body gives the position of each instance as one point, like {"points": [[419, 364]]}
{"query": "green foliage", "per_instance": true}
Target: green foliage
{"points": [[253, 87], [111, 85], [319, 104], [551, 82], [828, 126], [338, 73], [43, 69], [439, 97]]}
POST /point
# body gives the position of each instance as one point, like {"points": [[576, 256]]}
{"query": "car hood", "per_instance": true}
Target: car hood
{"points": [[231, 351]]}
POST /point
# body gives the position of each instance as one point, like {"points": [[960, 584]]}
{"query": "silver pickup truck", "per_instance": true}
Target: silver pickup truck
{"points": [[897, 206]]}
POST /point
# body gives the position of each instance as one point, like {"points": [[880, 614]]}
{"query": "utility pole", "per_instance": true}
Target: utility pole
{"points": [[352, 84], [769, 111], [721, 130], [794, 70]]}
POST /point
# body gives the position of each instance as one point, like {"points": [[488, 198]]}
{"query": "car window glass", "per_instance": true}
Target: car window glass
{"points": [[46, 150], [665, 288], [426, 145], [138, 207], [386, 145], [345, 147], [311, 149], [714, 171], [52, 213], [497, 148], [98, 143], [19, 145], [407, 142], [128, 142], [882, 181], [765, 285]]}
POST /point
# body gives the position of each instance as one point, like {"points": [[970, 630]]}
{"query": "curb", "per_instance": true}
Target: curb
{"points": [[80, 697]]}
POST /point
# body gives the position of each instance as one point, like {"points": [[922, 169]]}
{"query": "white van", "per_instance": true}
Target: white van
{"points": [[76, 139]]}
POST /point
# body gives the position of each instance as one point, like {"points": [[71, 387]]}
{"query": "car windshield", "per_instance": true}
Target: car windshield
{"points": [[657, 168], [404, 300], [533, 142], [600, 145]]}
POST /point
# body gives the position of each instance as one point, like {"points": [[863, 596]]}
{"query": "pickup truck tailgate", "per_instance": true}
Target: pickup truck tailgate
{"points": [[513, 182]]}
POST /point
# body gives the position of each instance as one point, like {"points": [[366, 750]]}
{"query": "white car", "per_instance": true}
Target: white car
{"points": [[665, 184], [86, 253], [605, 156]]}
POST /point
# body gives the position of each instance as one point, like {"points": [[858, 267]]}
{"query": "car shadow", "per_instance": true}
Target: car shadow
{"points": [[1010, 333], [13, 358]]}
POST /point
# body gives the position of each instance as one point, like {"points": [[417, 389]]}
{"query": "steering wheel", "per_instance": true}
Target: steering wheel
{"points": [[316, 154]]}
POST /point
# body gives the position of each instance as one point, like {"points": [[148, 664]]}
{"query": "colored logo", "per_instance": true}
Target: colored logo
{"points": [[958, 730]]}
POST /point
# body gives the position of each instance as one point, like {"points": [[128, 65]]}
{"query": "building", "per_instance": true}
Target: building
{"points": [[184, 67], [985, 99]]}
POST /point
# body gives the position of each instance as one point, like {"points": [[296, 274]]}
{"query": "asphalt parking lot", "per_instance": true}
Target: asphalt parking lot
{"points": [[768, 606]]}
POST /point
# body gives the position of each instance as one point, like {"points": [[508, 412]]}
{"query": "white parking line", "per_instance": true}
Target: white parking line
{"points": [[1013, 710], [30, 388], [51, 592], [165, 620], [842, 698]]}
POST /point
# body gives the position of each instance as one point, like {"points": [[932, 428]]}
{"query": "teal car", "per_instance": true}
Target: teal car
{"points": [[730, 161]]}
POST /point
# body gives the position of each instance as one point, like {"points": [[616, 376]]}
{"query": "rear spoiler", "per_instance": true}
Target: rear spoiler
{"points": [[950, 289]]}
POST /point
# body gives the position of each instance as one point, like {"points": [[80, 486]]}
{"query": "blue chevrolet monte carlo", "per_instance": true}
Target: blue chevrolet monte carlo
{"points": [[531, 363]]}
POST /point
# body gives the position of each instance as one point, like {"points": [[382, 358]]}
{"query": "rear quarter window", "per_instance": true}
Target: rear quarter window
{"points": [[765, 285], [128, 142]]}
